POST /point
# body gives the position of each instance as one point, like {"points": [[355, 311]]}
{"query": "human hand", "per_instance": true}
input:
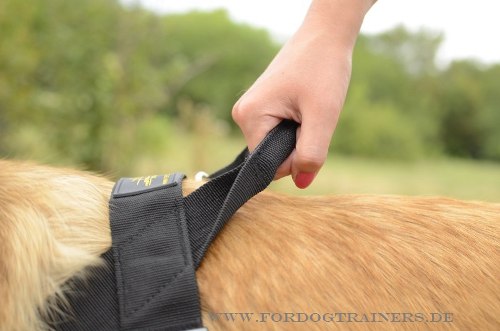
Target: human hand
{"points": [[306, 82]]}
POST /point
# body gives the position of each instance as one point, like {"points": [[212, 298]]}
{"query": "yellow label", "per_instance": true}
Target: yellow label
{"points": [[146, 181]]}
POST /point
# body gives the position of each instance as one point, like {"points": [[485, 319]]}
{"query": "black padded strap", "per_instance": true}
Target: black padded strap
{"points": [[148, 279], [211, 206], [155, 277]]}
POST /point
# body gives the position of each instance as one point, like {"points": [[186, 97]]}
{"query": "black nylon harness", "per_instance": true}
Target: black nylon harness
{"points": [[159, 238]]}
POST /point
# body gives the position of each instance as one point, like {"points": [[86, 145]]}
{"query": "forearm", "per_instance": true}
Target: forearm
{"points": [[335, 21]]}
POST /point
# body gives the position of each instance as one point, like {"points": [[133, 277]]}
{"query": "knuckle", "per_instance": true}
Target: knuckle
{"points": [[242, 110], [310, 159], [236, 112]]}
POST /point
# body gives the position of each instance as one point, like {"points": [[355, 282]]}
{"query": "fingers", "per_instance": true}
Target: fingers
{"points": [[312, 146], [314, 101], [253, 121], [313, 136], [285, 168], [256, 119]]}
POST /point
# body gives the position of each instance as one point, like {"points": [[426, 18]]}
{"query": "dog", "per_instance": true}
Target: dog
{"points": [[347, 262]]}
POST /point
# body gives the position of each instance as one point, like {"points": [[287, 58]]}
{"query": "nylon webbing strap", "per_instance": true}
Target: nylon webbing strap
{"points": [[210, 207], [159, 238]]}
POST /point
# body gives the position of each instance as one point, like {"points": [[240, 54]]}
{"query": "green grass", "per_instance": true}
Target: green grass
{"points": [[464, 179]]}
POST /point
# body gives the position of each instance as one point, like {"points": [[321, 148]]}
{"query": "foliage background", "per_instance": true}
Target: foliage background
{"points": [[123, 91]]}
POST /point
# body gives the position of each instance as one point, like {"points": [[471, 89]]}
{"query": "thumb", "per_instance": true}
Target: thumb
{"points": [[311, 149]]}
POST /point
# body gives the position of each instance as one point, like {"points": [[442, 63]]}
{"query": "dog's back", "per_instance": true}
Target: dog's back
{"points": [[347, 262]]}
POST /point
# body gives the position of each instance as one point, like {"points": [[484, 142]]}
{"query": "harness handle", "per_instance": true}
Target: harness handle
{"points": [[210, 207]]}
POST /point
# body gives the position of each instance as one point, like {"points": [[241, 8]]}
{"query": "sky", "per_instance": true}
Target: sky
{"points": [[471, 28]]}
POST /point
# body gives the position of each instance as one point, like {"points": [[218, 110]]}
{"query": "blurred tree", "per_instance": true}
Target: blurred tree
{"points": [[376, 130], [416, 51], [469, 102], [76, 79], [390, 93], [99, 84], [490, 117], [217, 60]]}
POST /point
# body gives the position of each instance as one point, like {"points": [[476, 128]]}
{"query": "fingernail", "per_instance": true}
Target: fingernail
{"points": [[304, 179]]}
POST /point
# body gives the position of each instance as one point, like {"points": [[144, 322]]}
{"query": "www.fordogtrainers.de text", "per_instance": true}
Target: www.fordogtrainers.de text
{"points": [[338, 317]]}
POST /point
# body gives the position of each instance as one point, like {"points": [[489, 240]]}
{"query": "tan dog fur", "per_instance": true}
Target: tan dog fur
{"points": [[359, 253]]}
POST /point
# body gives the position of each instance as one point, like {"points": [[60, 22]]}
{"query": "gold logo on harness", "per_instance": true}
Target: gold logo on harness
{"points": [[147, 181]]}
